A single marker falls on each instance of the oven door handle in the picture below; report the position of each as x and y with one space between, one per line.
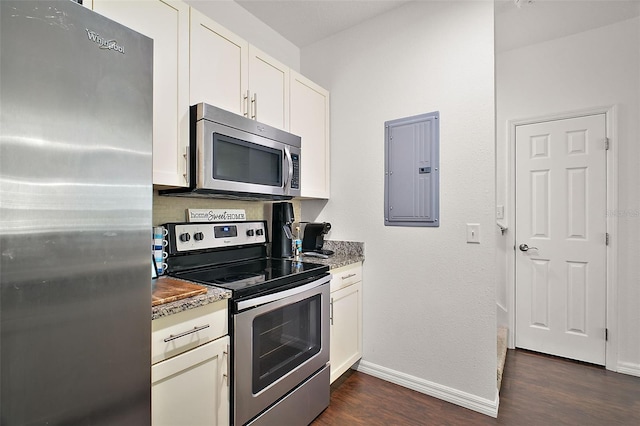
261 300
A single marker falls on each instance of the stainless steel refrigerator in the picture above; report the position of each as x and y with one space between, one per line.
75 217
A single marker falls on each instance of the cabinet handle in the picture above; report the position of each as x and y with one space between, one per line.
228 373
348 276
331 311
185 333
254 101
245 99
186 162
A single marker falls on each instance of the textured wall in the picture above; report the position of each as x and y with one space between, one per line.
429 297
595 68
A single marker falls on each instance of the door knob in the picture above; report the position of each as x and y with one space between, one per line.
524 247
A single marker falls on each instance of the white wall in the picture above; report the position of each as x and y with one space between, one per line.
591 69
236 19
429 297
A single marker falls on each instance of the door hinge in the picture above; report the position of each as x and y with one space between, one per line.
606 238
606 334
607 144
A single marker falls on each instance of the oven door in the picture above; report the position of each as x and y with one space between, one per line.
236 161
278 345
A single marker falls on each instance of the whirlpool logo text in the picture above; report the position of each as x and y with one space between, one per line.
103 42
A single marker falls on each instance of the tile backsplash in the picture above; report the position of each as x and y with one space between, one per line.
173 209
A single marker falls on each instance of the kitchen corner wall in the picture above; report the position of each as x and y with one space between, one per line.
429 297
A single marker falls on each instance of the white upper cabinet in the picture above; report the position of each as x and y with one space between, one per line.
219 65
167 23
198 60
269 89
229 73
309 119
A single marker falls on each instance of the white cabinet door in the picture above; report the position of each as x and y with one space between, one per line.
219 65
167 23
346 328
309 119
269 89
192 388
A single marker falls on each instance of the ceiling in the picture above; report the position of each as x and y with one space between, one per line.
530 22
518 22
304 22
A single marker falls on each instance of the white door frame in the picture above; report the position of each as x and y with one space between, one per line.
611 351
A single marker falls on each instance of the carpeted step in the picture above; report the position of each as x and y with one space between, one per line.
502 352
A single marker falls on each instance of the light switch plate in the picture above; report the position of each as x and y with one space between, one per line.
473 233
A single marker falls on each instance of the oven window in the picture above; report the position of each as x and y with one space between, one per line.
284 339
241 161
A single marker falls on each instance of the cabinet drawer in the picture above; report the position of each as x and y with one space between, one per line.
180 332
345 276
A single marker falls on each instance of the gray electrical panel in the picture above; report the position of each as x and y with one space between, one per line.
412 171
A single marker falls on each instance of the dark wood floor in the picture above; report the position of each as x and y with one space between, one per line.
536 390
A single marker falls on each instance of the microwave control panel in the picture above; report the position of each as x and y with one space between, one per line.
295 179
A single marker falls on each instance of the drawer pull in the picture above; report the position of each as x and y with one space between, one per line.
348 276
185 333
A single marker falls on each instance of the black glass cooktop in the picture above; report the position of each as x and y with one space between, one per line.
257 276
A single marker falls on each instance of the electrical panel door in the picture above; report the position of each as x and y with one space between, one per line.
411 196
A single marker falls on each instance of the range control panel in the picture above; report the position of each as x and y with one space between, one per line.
185 237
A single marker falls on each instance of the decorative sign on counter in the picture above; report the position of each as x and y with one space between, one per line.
215 215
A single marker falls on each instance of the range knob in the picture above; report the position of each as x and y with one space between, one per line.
250 232
259 232
198 236
185 237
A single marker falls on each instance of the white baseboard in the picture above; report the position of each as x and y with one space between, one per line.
454 396
629 368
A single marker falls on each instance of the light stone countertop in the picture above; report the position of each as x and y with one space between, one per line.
346 253
335 261
213 294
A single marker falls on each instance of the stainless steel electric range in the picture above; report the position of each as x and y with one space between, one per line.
279 318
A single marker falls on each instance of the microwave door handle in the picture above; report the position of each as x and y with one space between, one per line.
287 156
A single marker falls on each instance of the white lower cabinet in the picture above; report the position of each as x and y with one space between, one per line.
190 385
192 388
346 318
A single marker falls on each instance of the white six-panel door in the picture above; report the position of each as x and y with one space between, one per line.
561 218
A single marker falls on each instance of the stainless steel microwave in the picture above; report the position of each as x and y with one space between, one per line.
232 156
